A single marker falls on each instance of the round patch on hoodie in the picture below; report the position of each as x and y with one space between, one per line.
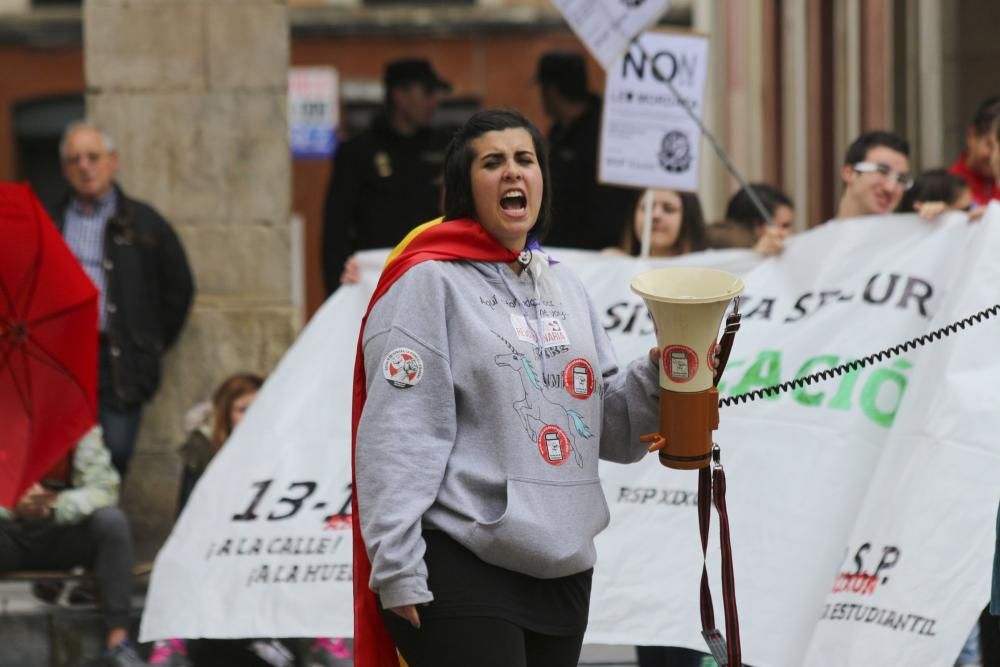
553 445
578 378
403 368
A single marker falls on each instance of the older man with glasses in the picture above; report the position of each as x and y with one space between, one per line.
876 173
141 272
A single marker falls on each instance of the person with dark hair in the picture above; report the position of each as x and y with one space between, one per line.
935 191
477 488
973 164
746 227
209 425
876 173
586 214
678 225
387 179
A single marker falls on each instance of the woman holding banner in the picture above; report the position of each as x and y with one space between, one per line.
486 390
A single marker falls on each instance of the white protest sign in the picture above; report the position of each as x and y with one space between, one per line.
312 111
862 509
648 140
607 26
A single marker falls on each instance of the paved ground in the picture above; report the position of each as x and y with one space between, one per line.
34 634
607 656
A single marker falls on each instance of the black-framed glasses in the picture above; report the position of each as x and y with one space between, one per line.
902 178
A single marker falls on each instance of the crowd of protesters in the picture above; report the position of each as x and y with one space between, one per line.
385 181
876 176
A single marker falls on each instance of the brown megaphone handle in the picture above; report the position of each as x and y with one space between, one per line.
657 440
687 420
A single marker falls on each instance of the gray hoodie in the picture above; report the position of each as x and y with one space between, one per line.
488 407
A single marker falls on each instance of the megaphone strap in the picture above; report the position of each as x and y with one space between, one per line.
726 343
712 489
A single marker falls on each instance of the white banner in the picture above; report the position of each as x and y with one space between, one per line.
607 26
862 508
648 140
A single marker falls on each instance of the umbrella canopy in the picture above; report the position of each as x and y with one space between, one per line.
48 344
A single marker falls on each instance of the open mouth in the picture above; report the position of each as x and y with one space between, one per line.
514 201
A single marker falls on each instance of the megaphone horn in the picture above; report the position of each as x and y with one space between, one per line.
687 305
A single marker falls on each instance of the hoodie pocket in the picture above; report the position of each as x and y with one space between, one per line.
547 529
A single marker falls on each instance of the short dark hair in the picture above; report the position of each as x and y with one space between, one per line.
458 199
691 237
407 72
859 148
566 71
742 211
986 113
933 185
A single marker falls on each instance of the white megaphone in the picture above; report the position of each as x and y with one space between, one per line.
687 305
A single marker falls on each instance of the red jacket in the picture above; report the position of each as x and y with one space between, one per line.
983 188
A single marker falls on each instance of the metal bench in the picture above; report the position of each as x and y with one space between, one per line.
74 576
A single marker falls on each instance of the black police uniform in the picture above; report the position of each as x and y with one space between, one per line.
585 213
383 185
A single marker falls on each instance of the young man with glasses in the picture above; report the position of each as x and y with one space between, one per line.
876 173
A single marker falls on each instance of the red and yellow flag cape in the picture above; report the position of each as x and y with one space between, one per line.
435 240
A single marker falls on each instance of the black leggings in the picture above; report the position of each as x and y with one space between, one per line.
480 641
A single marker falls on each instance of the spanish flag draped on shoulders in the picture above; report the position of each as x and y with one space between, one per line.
436 240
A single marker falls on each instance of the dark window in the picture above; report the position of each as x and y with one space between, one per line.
56 3
38 126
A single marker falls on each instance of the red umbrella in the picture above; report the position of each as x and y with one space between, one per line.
48 344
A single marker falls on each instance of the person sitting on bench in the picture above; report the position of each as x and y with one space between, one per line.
70 519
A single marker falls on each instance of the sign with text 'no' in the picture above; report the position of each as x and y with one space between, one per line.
607 27
648 139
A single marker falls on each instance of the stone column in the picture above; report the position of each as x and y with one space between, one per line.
193 92
14 6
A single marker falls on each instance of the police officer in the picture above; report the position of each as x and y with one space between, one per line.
585 213
387 179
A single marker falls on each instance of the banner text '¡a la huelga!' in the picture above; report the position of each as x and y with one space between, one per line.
892 290
300 573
